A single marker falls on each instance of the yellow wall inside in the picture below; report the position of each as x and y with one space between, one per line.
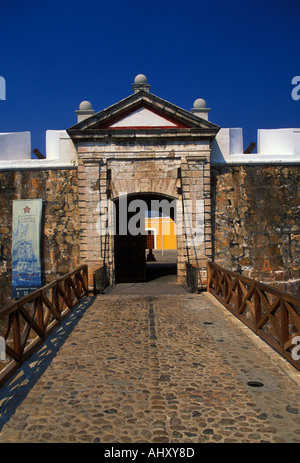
165 232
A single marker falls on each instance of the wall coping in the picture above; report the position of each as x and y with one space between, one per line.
35 164
274 147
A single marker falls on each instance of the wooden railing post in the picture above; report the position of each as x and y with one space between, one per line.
257 308
239 295
216 280
40 317
225 286
209 273
55 299
284 326
17 333
68 291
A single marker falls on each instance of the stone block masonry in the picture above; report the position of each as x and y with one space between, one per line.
136 172
60 225
256 222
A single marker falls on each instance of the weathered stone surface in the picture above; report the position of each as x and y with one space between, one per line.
254 227
255 221
139 167
60 226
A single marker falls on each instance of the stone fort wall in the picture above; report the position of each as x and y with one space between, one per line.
60 226
255 221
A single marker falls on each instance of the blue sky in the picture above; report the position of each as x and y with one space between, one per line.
239 56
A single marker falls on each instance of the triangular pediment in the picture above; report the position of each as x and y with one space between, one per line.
142 111
142 117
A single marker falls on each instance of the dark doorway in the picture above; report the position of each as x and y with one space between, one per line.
131 251
130 263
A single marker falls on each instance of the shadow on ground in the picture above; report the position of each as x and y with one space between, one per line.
17 388
159 270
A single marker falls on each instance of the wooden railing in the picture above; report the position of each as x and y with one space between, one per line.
27 322
271 314
101 279
192 277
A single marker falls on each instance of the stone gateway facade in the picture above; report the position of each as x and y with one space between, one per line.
104 175
143 149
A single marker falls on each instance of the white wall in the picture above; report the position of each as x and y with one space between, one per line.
15 151
60 146
228 142
274 142
15 145
273 146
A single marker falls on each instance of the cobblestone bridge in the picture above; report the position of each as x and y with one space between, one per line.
152 364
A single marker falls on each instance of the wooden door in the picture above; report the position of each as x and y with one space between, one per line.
130 262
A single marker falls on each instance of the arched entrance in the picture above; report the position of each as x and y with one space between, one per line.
145 239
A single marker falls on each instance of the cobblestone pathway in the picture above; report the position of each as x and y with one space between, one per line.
172 368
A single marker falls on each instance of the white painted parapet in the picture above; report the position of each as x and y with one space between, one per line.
59 146
274 146
278 141
15 145
227 143
15 151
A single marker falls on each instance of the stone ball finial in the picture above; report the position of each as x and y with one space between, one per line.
85 106
140 79
199 103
